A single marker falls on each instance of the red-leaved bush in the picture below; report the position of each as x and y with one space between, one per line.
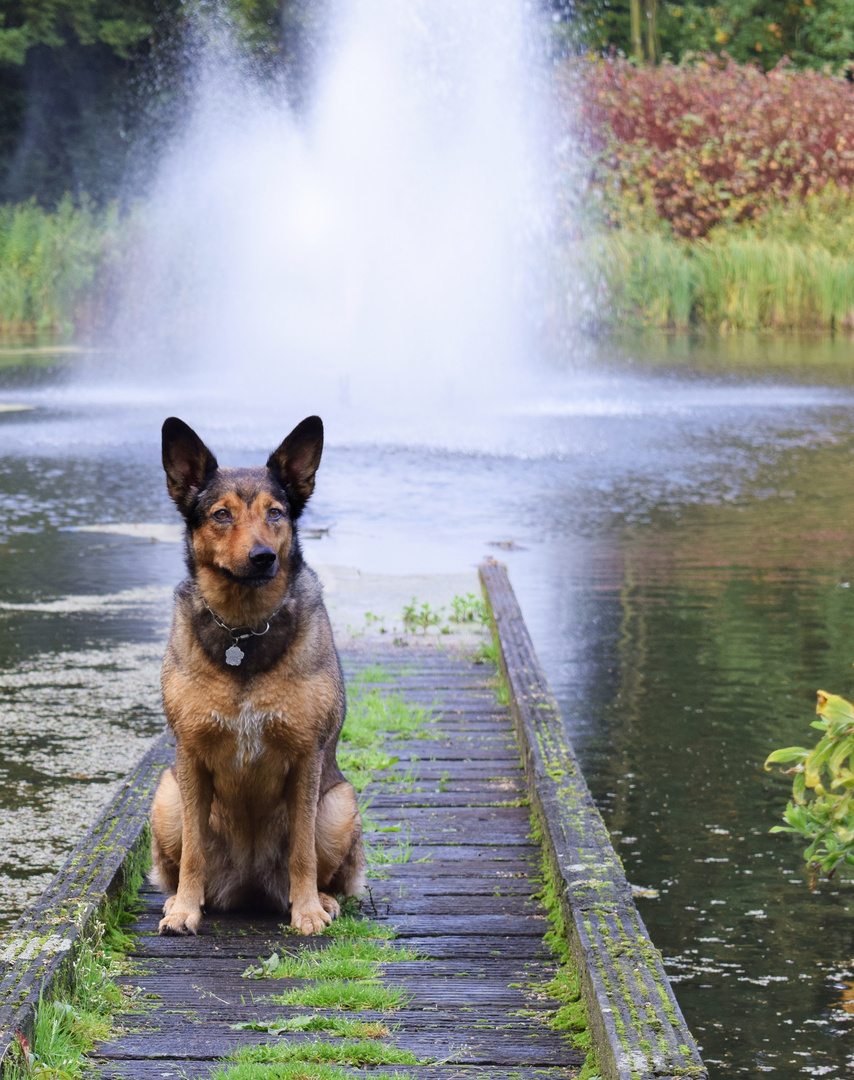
714 141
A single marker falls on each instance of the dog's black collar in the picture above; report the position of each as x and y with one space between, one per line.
234 654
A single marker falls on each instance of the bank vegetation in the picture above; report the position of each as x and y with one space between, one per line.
714 193
708 193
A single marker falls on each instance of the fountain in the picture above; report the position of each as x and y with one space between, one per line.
372 258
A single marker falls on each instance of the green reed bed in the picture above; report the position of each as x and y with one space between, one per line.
55 266
738 281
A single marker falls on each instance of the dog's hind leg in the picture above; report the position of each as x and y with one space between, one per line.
166 834
338 837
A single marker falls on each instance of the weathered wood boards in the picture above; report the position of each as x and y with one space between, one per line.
640 1029
465 901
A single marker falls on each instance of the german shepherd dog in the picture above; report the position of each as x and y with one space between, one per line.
255 810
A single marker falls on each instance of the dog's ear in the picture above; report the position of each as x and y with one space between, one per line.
294 464
188 463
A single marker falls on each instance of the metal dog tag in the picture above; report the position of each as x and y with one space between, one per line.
234 655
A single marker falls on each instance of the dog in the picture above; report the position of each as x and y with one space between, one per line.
255 810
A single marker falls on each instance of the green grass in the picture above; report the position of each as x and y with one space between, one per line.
373 673
571 1015
352 1052
371 717
346 974
344 958
293 1071
336 1026
349 995
68 1025
353 926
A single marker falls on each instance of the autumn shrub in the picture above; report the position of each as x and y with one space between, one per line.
710 142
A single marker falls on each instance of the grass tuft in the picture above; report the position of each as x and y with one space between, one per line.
336 1026
354 926
344 958
371 717
293 1071
571 1016
348 995
352 1052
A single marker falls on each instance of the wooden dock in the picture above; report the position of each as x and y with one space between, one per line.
461 897
464 901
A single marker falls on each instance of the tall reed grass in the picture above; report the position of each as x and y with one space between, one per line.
55 267
730 281
791 269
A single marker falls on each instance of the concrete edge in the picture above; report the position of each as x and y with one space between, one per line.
635 1020
36 957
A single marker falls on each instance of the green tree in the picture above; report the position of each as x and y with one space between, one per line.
764 31
811 33
69 101
121 25
85 83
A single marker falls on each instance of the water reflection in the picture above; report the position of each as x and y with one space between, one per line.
731 615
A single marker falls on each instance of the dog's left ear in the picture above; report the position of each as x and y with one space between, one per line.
295 463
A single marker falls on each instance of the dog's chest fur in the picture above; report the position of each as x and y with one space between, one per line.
248 727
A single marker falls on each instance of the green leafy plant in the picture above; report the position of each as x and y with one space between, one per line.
415 615
468 609
822 808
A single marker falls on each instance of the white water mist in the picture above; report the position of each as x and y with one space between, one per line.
377 254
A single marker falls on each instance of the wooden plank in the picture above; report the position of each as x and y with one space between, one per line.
242 996
639 1027
166 1068
463 947
466 1046
451 795
215 965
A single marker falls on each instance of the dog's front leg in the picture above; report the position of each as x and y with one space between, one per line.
183 911
311 911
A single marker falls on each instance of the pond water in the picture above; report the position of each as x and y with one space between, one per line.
676 516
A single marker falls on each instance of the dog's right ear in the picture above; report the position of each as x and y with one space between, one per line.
188 463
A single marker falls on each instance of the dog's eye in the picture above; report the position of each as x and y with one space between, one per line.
274 513
221 515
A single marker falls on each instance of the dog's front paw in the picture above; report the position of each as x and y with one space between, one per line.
179 921
312 918
329 904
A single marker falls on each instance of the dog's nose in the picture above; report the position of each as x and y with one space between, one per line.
262 557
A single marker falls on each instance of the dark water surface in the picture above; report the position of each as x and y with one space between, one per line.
683 514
